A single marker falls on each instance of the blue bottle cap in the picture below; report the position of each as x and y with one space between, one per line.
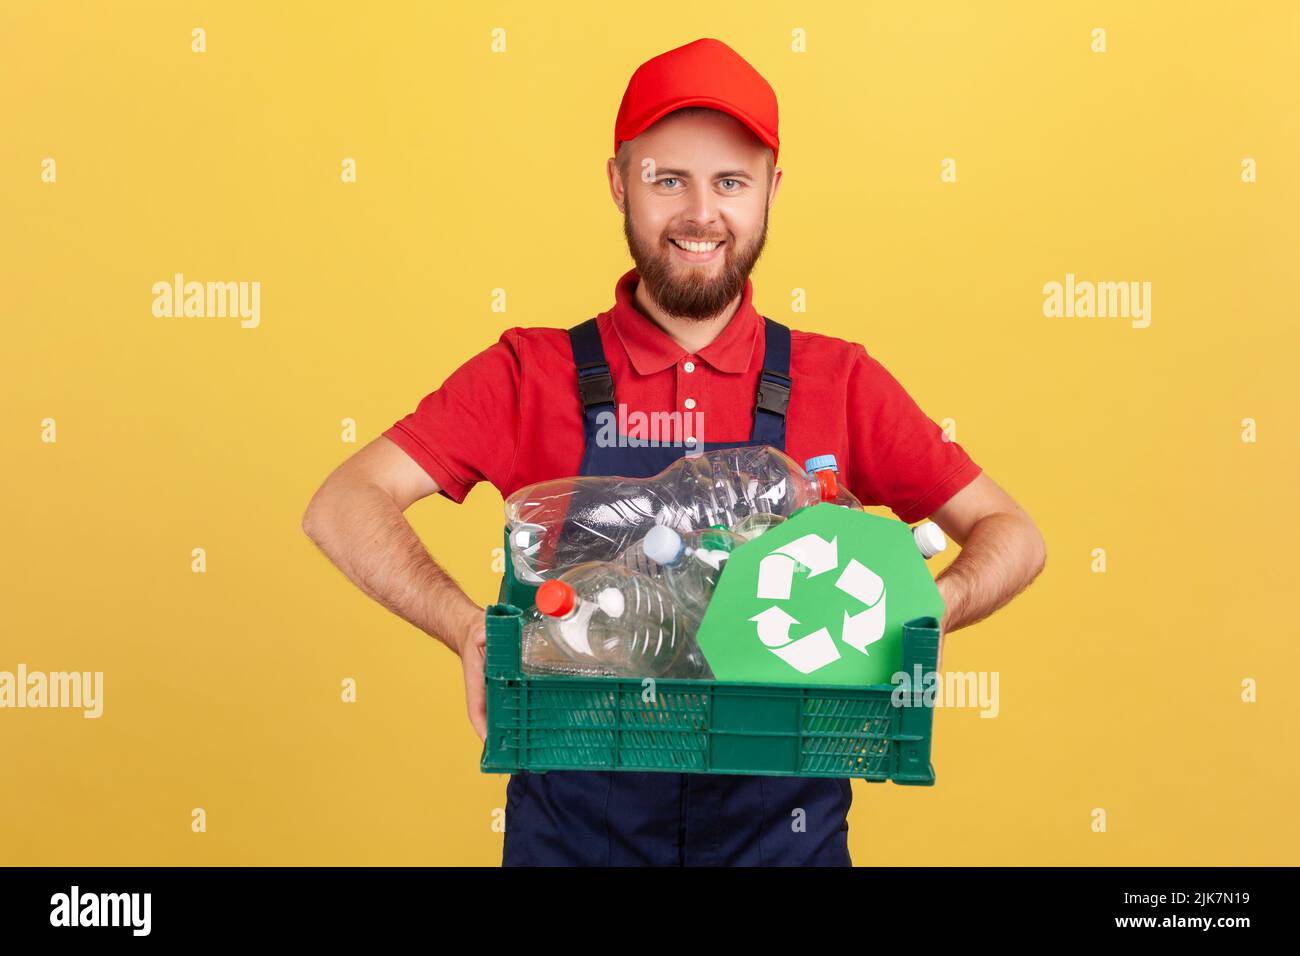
819 462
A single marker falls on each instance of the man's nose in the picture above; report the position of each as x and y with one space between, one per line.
702 204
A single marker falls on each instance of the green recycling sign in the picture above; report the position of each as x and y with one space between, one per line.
819 599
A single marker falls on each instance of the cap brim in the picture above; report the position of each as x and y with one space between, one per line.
713 103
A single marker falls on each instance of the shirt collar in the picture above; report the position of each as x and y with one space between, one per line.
651 349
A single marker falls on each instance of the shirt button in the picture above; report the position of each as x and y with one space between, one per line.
689 403
689 367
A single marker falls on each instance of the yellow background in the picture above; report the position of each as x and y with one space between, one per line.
477 171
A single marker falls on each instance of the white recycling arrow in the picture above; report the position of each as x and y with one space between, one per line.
859 581
774 626
866 627
809 653
813 551
775 572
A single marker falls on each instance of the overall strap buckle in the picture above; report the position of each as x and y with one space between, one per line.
595 383
773 392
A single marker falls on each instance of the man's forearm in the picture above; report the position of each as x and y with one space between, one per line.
361 529
1002 554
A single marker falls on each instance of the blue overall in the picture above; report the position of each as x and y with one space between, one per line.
629 818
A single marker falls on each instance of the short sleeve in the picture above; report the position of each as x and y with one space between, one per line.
900 457
467 430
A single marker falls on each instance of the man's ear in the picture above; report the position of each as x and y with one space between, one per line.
617 189
776 184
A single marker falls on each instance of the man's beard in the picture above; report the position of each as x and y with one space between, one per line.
690 295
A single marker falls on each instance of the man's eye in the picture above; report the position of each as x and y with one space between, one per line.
667 179
736 181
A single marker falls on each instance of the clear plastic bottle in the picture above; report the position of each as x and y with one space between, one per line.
555 524
688 564
540 656
605 616
752 526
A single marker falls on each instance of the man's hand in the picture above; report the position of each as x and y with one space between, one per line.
473 653
357 519
1002 551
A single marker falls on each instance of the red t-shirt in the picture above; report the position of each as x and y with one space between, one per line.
511 414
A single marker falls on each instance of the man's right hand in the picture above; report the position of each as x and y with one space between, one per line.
473 653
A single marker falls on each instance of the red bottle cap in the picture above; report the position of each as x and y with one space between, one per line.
830 488
555 598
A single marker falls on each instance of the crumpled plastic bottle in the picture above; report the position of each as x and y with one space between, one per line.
559 523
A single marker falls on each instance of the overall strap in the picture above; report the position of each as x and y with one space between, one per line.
773 396
595 384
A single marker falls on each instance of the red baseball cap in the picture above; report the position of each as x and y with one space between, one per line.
706 72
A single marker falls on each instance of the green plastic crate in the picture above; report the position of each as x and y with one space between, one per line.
540 723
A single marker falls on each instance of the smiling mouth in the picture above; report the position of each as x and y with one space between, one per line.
691 245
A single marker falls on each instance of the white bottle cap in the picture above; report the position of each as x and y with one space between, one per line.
662 545
612 602
929 538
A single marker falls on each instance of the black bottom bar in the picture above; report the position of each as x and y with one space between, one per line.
982 905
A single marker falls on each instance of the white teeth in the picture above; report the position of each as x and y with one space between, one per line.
696 246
